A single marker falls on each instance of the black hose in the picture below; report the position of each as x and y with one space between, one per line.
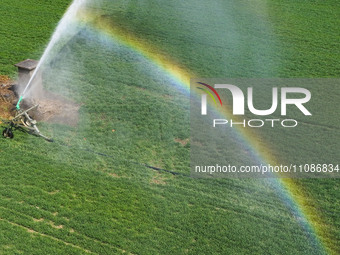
126 160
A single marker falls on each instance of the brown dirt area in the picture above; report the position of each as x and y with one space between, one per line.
51 107
7 97
55 109
183 142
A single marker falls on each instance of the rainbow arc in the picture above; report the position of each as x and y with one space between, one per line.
289 191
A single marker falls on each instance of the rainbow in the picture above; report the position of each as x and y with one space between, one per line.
290 192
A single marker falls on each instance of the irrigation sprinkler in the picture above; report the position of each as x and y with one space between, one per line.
23 121
23 118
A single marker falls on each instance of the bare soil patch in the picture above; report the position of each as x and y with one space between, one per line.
7 97
54 108
51 108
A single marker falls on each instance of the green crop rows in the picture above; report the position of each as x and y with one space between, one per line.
89 192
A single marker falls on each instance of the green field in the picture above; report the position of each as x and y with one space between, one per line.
92 190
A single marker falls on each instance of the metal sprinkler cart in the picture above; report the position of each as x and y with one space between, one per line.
23 121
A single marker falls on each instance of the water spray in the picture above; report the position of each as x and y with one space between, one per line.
61 29
22 119
27 86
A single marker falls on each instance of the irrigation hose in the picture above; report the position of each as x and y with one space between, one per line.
110 156
126 160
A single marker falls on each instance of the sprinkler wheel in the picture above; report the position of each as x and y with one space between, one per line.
7 133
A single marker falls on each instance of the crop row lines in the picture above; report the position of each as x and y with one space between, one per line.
47 236
76 234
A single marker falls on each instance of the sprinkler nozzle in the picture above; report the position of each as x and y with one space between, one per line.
18 104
